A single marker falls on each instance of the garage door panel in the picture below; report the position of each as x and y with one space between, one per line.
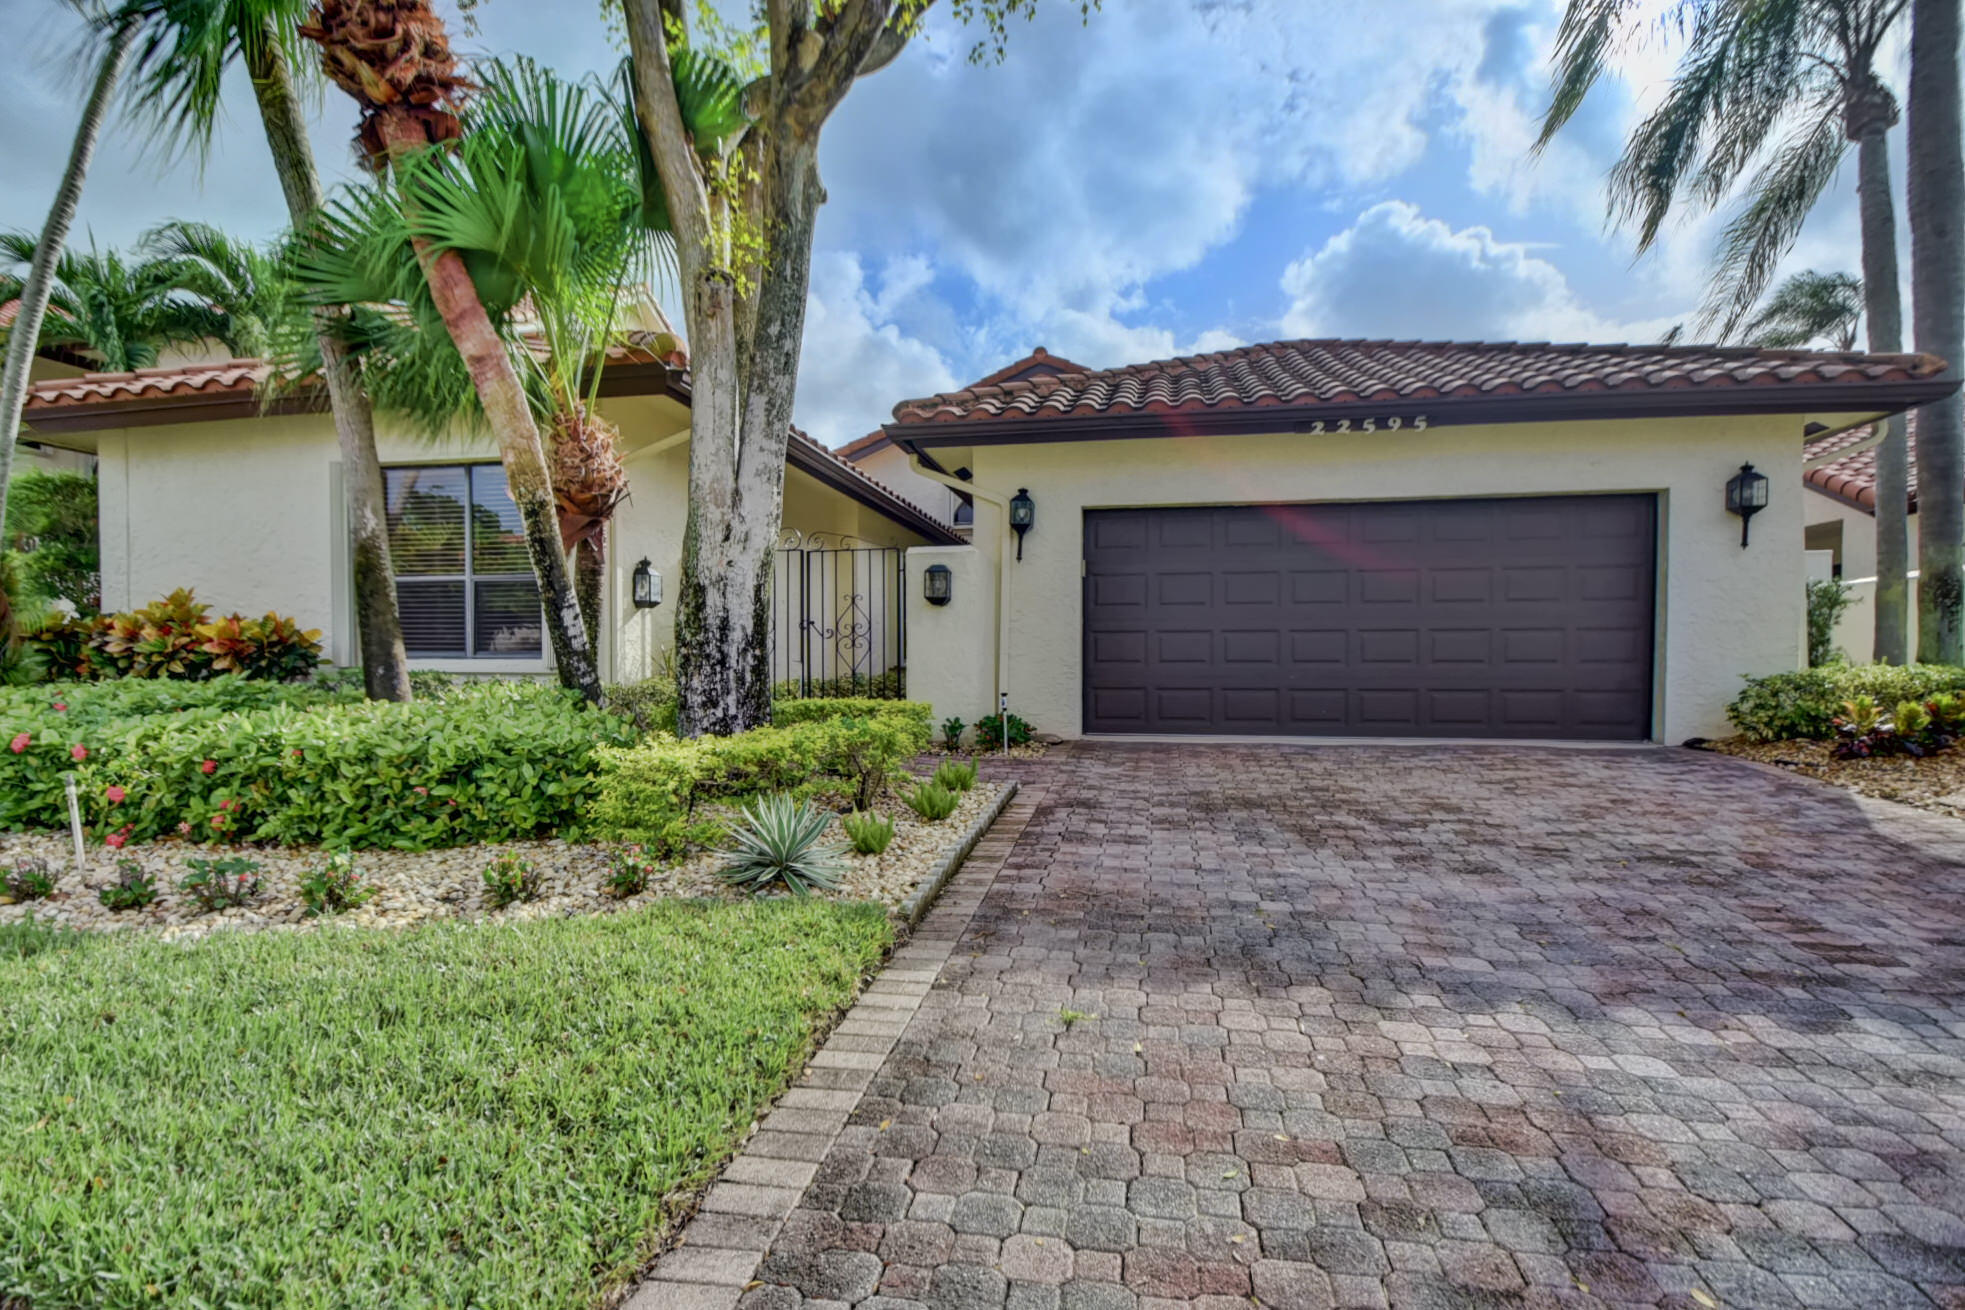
1529 617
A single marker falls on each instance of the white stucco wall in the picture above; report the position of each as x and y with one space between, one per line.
1723 611
1855 634
951 649
249 514
892 467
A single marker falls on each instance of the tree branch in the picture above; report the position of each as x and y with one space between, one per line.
668 138
857 26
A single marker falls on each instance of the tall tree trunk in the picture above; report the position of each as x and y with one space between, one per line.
589 577
509 415
26 331
1883 316
1937 197
385 665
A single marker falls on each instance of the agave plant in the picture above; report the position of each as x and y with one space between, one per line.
781 841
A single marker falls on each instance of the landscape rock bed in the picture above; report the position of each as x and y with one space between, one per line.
416 887
1934 782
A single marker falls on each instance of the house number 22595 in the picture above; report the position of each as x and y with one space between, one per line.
1417 423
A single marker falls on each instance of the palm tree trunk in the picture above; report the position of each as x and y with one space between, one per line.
26 331
509 415
1937 197
1883 315
385 665
589 574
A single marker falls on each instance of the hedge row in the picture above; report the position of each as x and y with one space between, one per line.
849 748
234 761
1804 703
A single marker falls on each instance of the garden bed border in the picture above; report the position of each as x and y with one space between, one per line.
930 887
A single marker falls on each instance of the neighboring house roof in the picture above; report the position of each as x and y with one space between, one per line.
1039 362
1850 477
1289 385
230 389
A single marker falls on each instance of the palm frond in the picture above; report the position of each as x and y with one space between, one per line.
177 69
1590 33
1780 198
710 94
1809 307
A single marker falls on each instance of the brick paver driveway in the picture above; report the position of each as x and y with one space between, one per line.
1475 1026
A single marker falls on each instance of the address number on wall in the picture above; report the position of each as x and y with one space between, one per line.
1417 423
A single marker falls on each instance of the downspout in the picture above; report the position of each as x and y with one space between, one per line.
1002 505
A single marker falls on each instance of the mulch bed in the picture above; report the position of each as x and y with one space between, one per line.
1935 782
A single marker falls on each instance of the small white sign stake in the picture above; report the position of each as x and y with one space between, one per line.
75 818
1002 721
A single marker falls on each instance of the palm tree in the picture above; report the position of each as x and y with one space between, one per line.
249 288
120 311
1808 308
1779 87
180 71
544 201
34 290
393 58
1937 197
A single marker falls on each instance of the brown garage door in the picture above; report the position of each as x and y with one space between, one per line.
1442 618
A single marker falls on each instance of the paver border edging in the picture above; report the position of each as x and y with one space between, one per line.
713 1258
929 888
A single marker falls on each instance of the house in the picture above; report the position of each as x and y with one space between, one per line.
1376 538
1839 477
203 485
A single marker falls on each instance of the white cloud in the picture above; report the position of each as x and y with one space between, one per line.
857 362
1396 273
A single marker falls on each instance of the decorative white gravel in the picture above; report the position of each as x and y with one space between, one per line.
414 887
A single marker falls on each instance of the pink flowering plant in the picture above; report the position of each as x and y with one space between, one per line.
336 887
219 883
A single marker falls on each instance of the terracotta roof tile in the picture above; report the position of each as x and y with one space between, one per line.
1851 477
1310 373
1038 361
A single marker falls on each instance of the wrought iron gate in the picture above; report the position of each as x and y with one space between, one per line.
839 616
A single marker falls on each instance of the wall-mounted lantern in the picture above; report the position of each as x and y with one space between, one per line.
1746 495
1023 512
647 586
938 584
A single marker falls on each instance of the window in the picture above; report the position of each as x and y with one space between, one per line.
463 579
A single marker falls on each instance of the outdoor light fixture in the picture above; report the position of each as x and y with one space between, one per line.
647 586
938 584
1023 511
1746 495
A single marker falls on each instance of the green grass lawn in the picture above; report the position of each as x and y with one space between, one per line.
454 1115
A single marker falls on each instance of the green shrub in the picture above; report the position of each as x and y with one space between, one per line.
496 761
870 833
991 727
30 879
509 878
51 522
649 704
336 886
1827 599
956 776
1806 702
177 638
650 794
952 733
220 882
132 890
813 709
780 841
932 801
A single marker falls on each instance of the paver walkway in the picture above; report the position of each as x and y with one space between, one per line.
1420 1027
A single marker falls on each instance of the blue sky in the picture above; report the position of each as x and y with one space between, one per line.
1171 176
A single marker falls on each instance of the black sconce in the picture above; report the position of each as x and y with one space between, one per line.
937 584
1746 495
647 586
1023 511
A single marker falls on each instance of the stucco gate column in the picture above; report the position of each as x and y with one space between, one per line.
951 649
